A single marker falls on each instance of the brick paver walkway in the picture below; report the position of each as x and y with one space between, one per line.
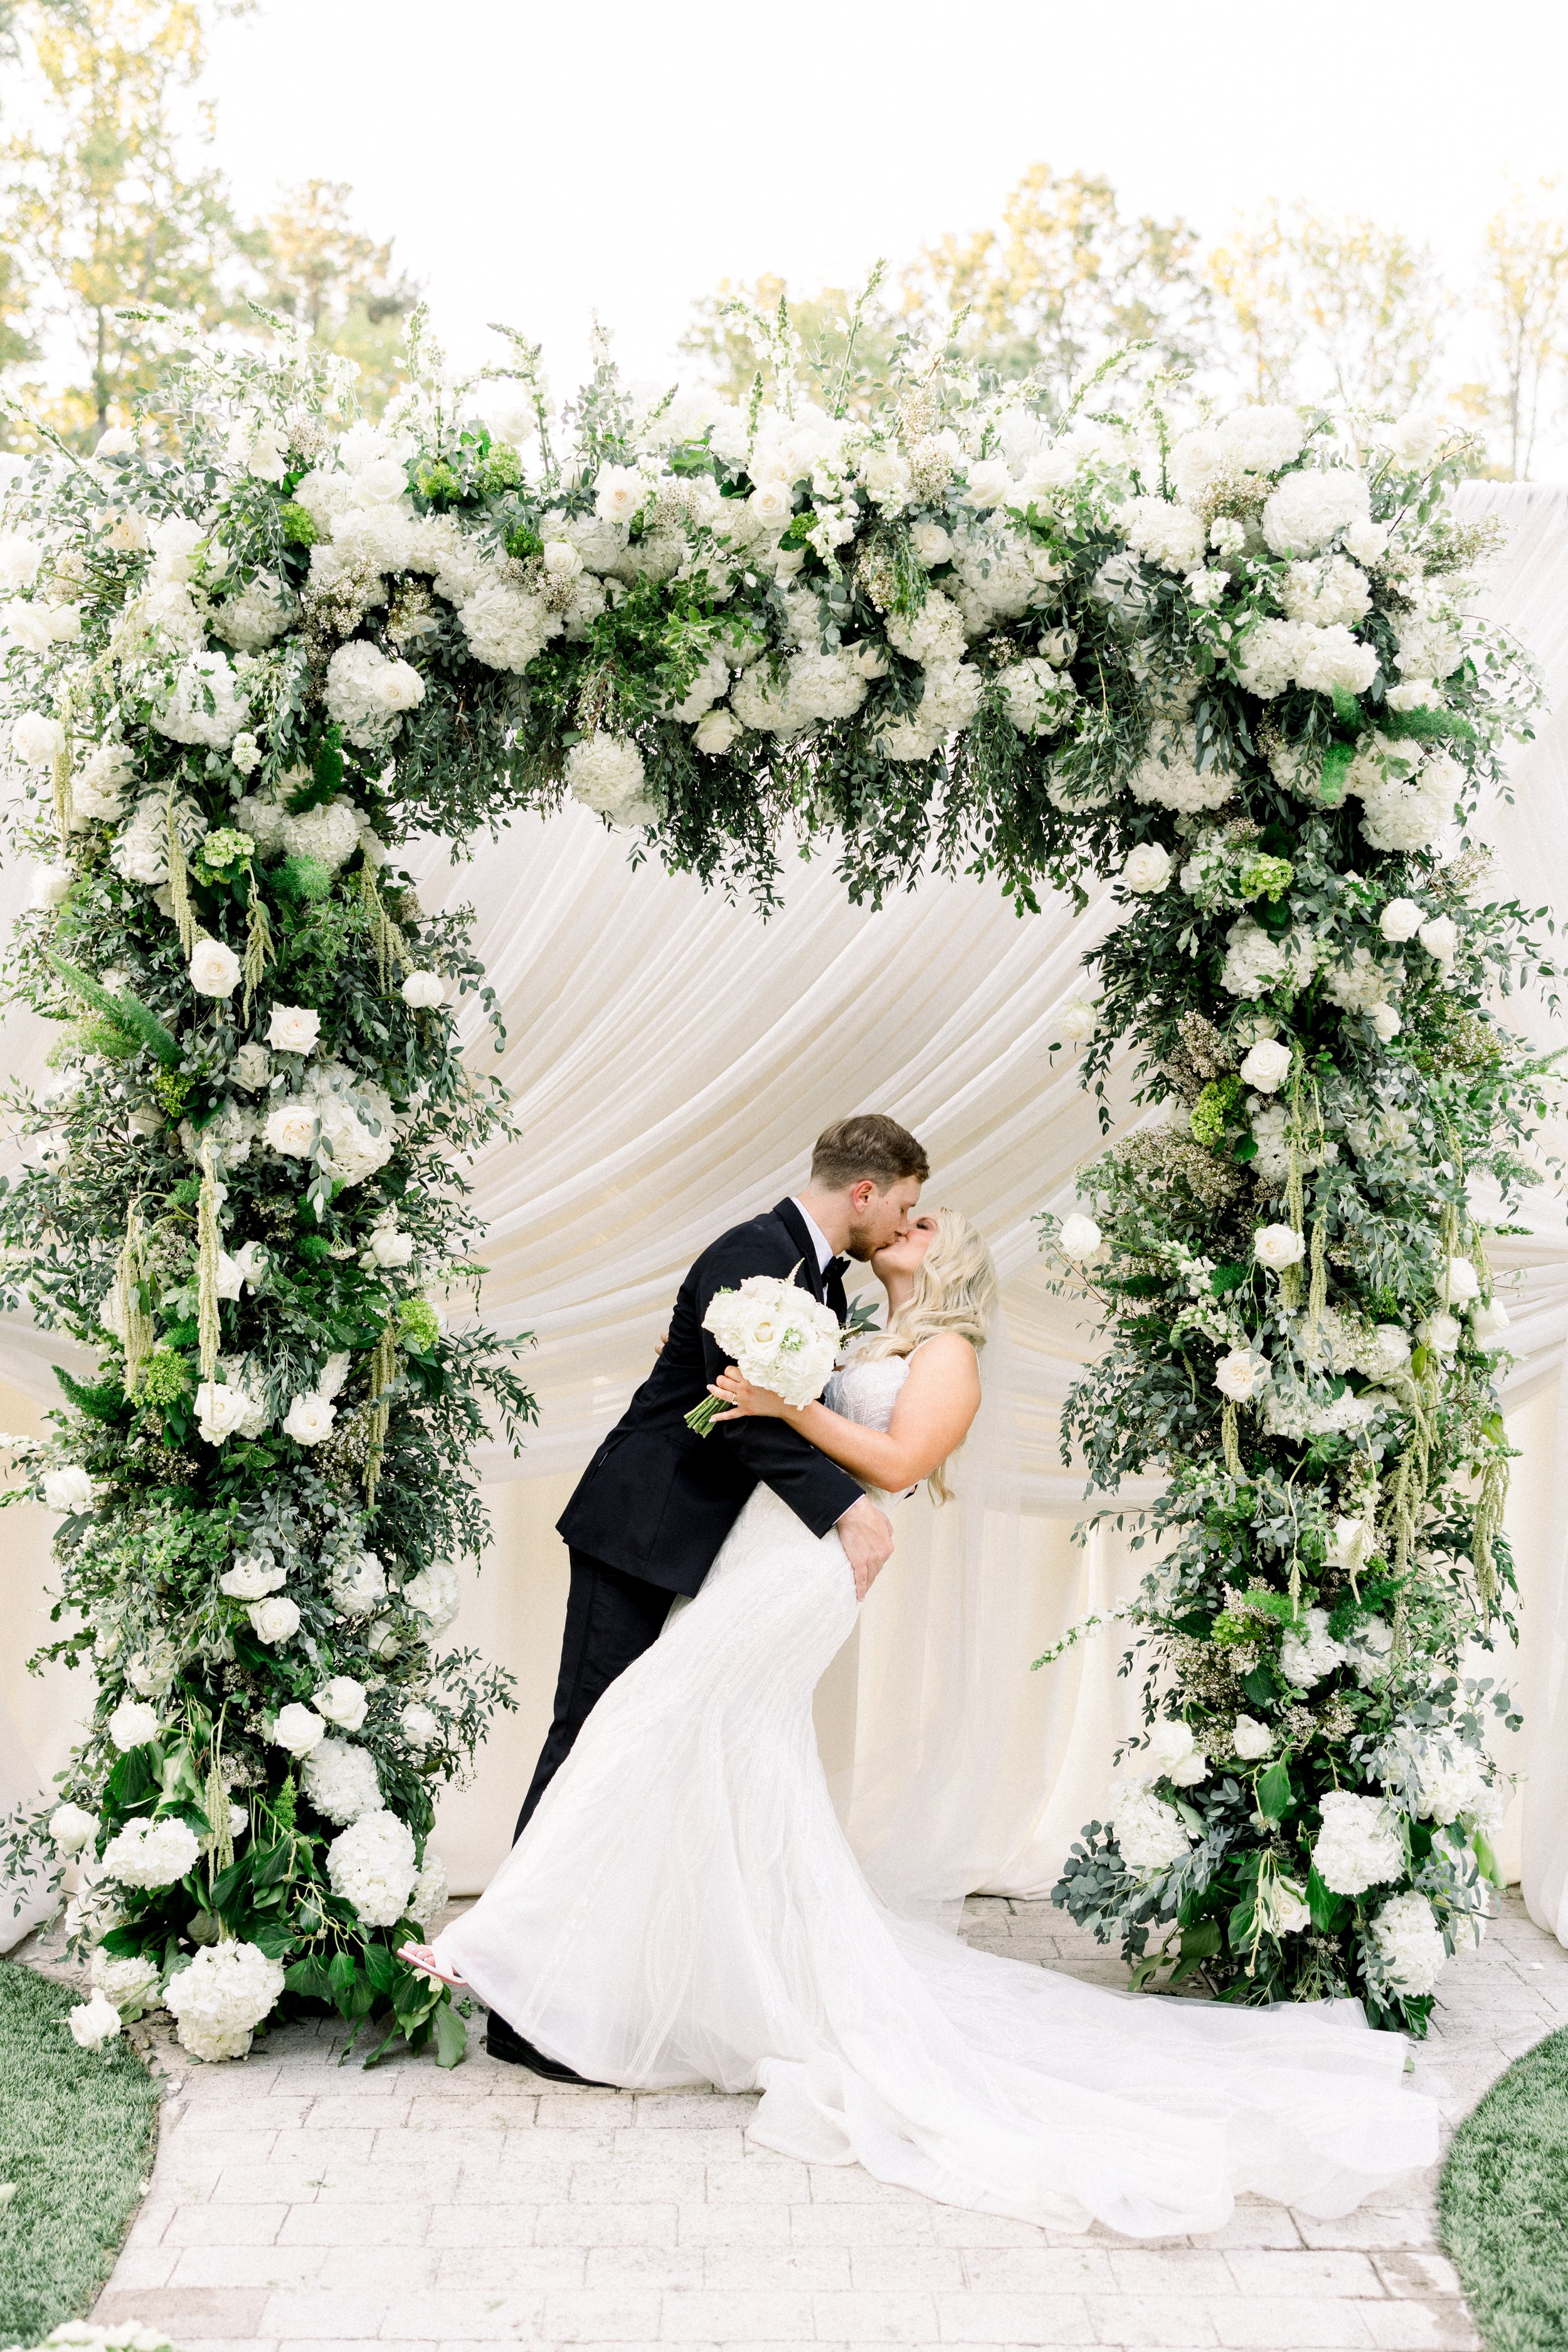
298 2205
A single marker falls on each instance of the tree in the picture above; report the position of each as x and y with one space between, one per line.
101 213
1524 301
316 268
1322 307
719 334
1065 280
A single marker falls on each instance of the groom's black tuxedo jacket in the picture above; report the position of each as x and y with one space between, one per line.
657 1501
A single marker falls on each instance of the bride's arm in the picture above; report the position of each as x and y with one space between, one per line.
935 1407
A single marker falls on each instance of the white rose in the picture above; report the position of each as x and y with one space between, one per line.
1076 1022
931 544
1366 542
1489 1323
267 456
1440 1333
36 740
1268 1066
772 503
1439 939
398 686
291 1129
1400 921
297 1728
714 733
1412 694
1079 1238
93 2023
72 1828
421 991
68 1490
220 1409
1385 1019
1278 1246
309 1418
250 1579
1147 867
618 491
1351 1546
1251 1740
990 483
390 1247
277 1619
1239 1373
343 1701
51 886
215 969
132 1724
293 1029
419 1726
561 559
1458 1283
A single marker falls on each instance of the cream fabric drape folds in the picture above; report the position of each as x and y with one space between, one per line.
671 1057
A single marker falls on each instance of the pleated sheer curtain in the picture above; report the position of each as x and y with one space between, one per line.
671 1057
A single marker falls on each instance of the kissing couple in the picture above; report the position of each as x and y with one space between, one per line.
681 1905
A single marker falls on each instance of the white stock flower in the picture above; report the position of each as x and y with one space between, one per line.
69 1489
343 1701
1150 1834
1309 1652
132 1724
297 1728
1079 1238
292 1029
423 991
1278 1246
215 970
309 1418
152 1852
219 2001
1359 1844
1147 867
275 1620
71 1828
372 1867
339 1780
1266 1066
1400 921
419 1726
1239 1373
93 2023
1252 1740
1409 1944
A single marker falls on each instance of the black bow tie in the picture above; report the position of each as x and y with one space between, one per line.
835 1269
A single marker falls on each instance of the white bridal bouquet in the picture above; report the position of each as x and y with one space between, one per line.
780 1337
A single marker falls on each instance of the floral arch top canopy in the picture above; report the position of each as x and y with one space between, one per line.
254 642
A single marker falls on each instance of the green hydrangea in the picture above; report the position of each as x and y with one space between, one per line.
226 846
521 541
164 1379
1264 878
298 526
173 1089
1213 1109
417 1325
437 481
502 471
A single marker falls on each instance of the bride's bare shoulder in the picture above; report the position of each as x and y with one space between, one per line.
945 1356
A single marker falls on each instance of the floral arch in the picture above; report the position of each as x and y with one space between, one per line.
256 643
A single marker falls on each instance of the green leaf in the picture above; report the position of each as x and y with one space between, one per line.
128 1012
1239 1925
273 1863
1275 1792
1259 1686
310 1978
381 1968
1328 1911
1229 1277
226 1886
451 2036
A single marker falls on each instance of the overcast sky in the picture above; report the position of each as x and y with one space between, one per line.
537 163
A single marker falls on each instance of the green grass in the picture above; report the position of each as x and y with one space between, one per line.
1504 2204
75 2138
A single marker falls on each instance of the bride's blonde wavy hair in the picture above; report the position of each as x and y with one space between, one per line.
955 1290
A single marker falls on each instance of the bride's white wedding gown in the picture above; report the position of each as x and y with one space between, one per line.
683 1908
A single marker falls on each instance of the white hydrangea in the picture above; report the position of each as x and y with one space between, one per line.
1151 1834
366 694
429 1892
339 1777
219 2001
507 627
151 1852
257 616
438 545
1035 696
1262 439
1308 511
1265 661
1445 1779
1431 644
1329 660
377 537
98 787
330 833
372 1866
1255 964
358 1583
346 1102
130 1984
934 636
1409 1944
1411 813
434 1593
1169 776
1168 534
1309 1651
1363 984
140 852
1326 594
605 773
1359 1844
205 705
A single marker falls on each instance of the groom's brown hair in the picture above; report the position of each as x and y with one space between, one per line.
870 1144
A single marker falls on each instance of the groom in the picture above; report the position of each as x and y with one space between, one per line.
655 1503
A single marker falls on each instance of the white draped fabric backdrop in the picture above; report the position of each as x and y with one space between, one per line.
671 1057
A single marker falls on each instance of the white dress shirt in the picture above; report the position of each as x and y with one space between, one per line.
819 1241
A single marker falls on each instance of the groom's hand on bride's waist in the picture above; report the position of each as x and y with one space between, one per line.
867 1535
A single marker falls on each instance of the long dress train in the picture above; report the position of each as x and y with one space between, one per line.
683 1908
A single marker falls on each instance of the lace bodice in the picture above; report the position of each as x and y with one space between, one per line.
867 1393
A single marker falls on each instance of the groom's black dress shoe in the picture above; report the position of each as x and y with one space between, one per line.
502 2041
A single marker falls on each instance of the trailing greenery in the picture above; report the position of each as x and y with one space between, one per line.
1503 2203
78 2132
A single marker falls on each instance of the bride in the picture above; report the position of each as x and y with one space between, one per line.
683 1906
